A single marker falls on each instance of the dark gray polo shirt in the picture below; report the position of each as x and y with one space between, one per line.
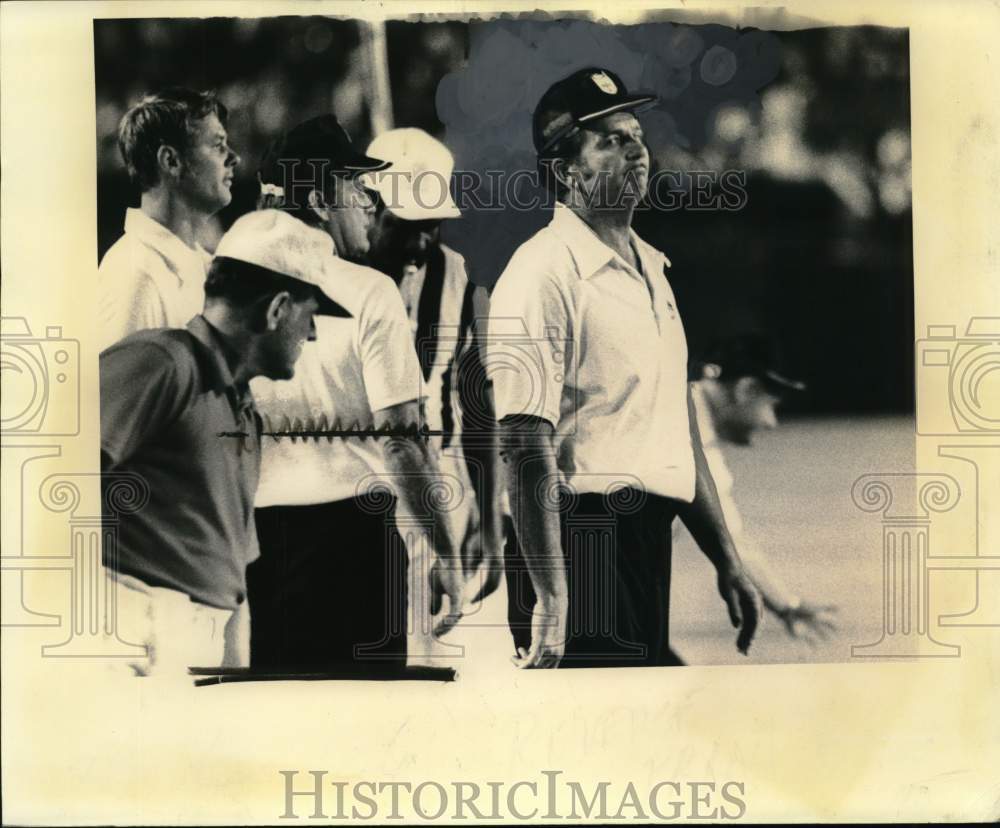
166 395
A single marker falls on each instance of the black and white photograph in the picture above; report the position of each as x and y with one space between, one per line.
619 254
434 379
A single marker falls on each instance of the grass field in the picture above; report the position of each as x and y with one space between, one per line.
793 488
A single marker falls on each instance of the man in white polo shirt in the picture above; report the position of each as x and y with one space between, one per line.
602 406
176 150
329 590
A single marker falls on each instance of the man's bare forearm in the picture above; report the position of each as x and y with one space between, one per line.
529 466
704 517
481 448
480 432
415 471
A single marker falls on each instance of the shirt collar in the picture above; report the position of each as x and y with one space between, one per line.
178 256
588 251
224 356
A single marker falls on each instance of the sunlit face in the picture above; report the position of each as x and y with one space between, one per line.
208 166
398 246
348 217
283 345
611 169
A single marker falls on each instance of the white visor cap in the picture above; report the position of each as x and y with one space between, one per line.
276 241
417 186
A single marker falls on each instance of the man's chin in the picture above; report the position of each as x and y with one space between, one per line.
357 253
280 372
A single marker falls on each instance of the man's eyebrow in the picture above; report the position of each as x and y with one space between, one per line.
623 132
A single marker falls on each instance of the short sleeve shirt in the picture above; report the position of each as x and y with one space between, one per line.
355 367
167 399
585 341
149 278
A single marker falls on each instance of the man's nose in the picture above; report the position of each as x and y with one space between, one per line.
312 329
636 149
233 159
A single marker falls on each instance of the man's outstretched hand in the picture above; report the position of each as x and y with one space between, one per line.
810 622
744 604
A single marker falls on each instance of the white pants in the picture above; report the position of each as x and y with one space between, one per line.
176 631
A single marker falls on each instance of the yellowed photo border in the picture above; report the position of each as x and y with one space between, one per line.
880 741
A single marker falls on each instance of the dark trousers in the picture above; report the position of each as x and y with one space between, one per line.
616 549
329 589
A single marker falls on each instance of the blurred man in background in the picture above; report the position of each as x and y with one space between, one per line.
329 590
607 400
176 150
166 396
736 390
442 306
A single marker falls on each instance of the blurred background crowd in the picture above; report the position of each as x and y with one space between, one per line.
816 121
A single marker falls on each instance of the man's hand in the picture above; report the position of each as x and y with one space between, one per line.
810 622
548 636
744 603
482 557
450 581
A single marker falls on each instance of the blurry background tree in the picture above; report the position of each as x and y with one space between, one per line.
817 121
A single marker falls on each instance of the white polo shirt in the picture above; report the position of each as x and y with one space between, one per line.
355 367
580 338
149 278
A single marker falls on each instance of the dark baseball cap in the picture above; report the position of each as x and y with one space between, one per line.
584 96
320 138
750 355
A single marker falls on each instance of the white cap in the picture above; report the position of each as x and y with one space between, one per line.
276 241
416 187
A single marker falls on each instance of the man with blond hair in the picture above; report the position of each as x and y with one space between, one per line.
177 152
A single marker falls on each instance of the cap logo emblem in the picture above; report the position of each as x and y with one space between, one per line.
603 82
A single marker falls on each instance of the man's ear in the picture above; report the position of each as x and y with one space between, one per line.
317 205
277 309
168 161
562 170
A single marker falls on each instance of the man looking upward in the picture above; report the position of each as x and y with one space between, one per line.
611 417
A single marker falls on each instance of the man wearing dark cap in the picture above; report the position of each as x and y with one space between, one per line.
604 409
167 398
736 389
329 591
